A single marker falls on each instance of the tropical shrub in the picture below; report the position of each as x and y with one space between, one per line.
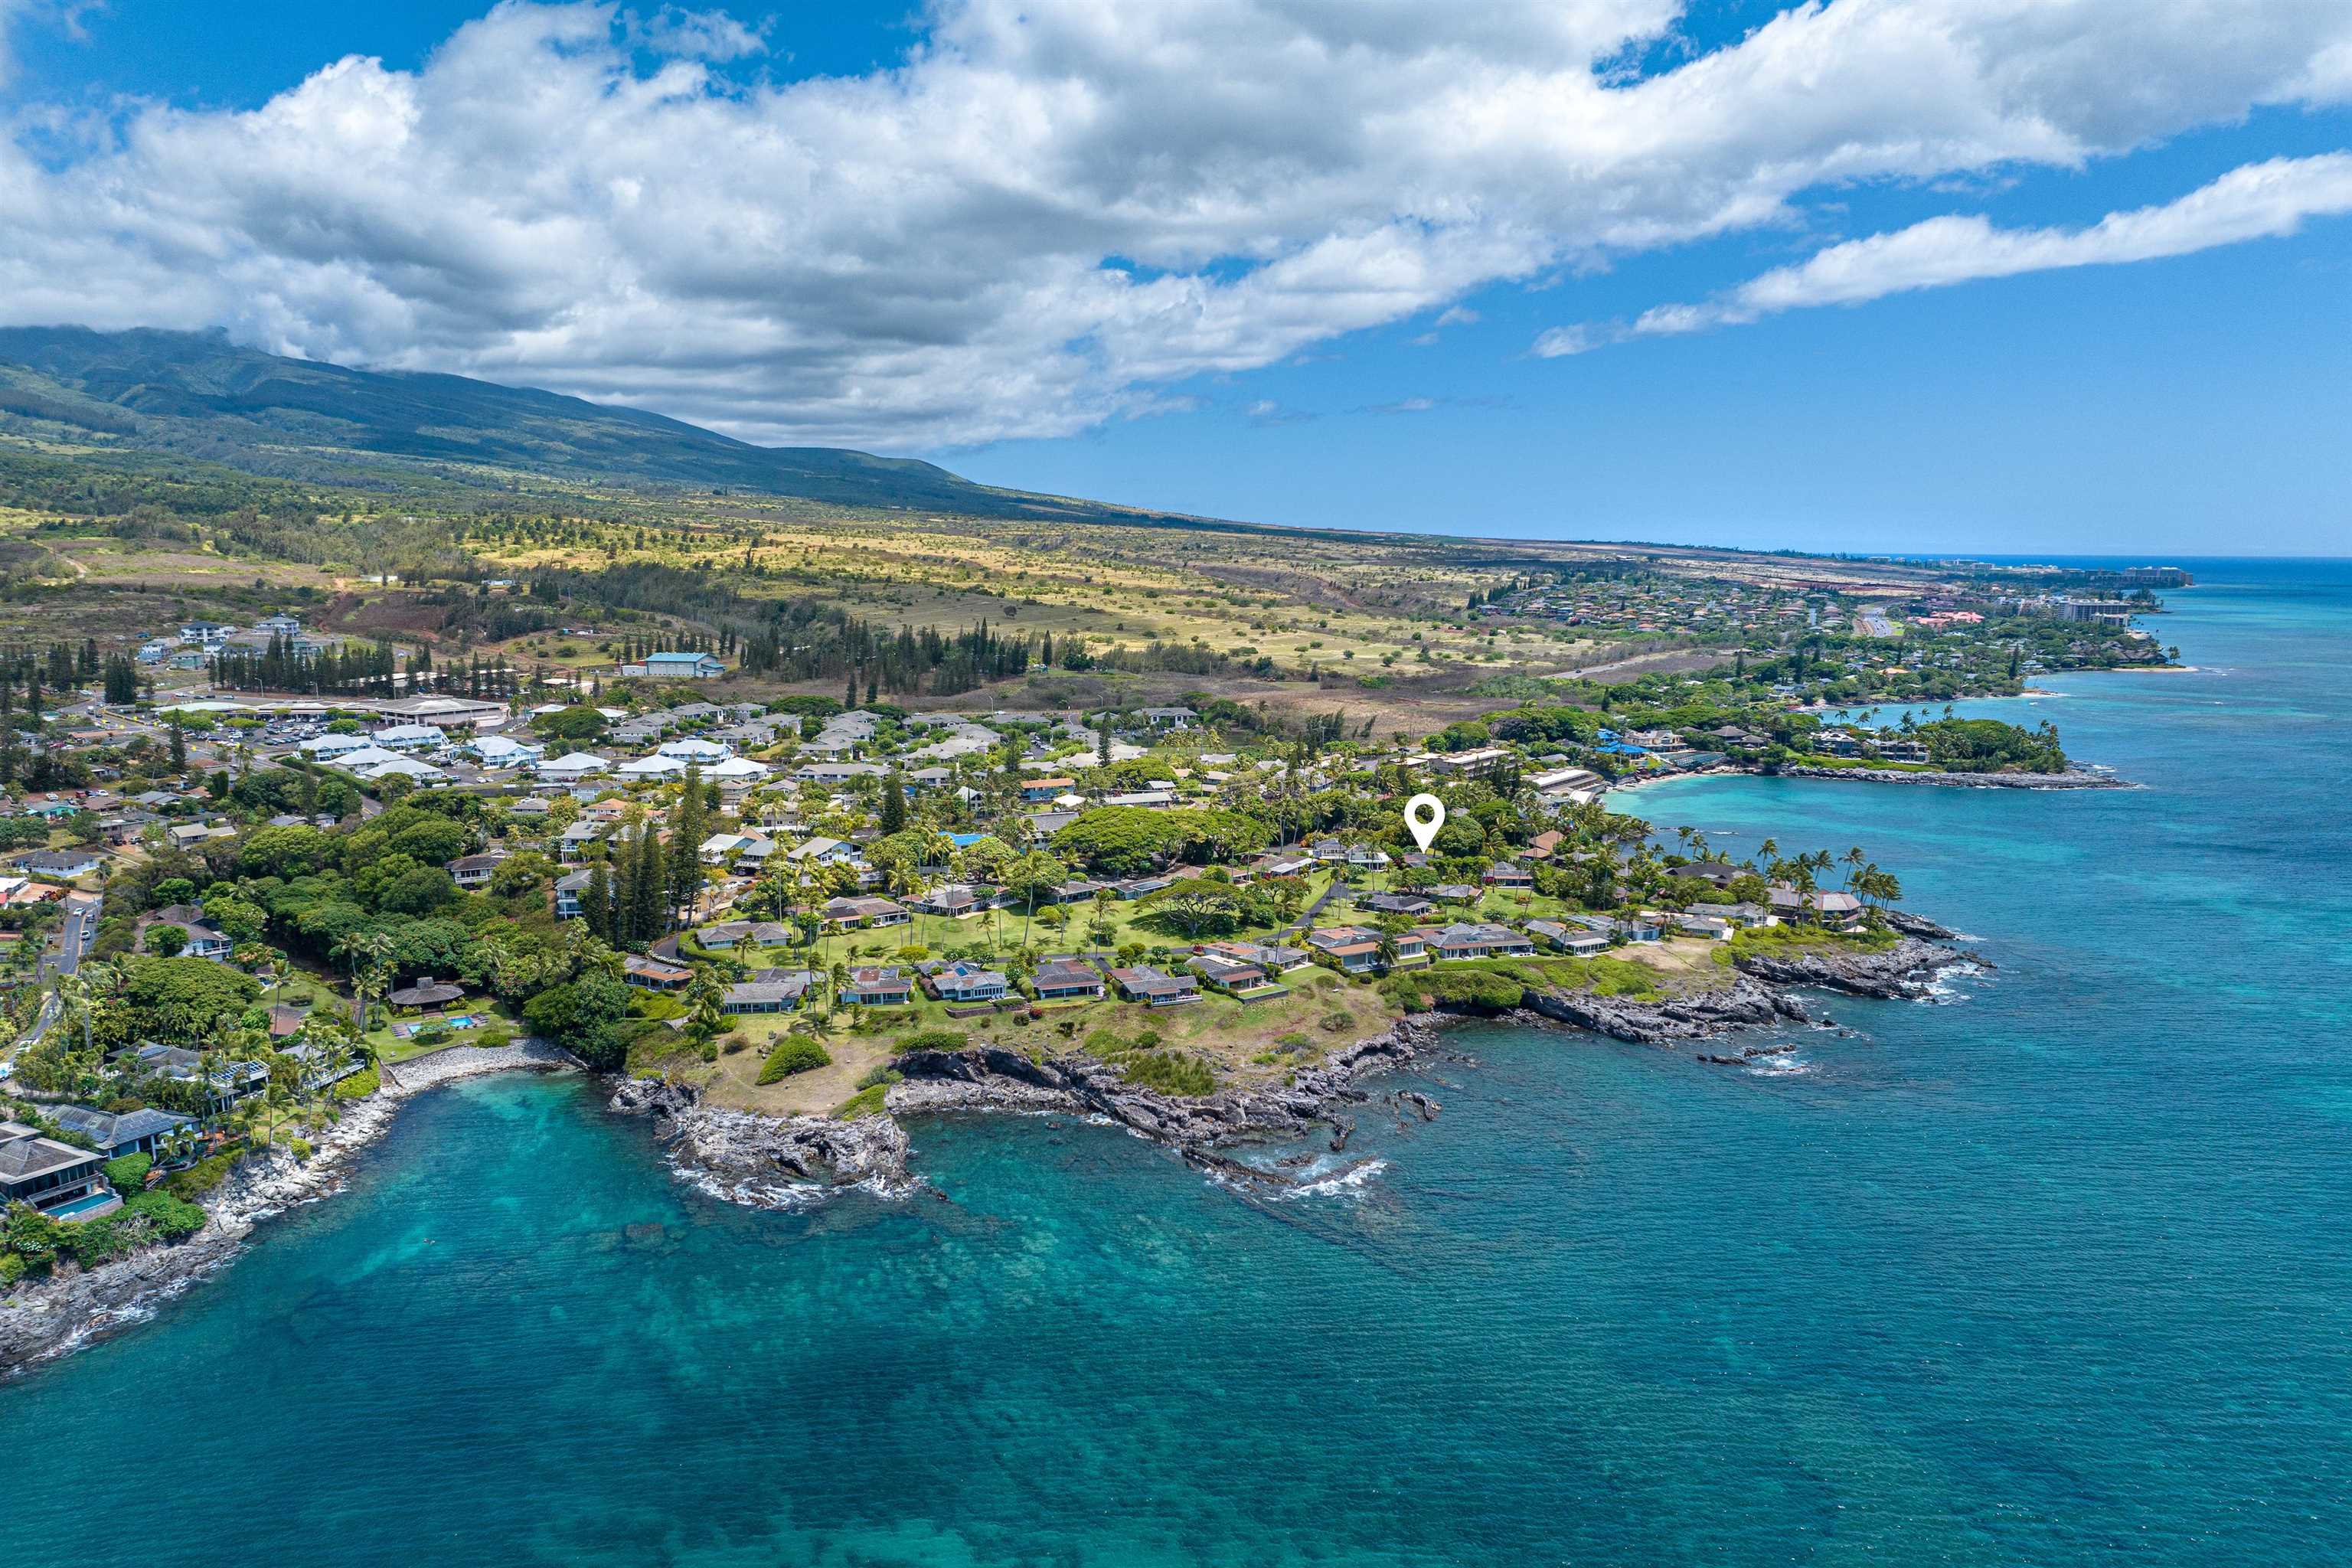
793 1053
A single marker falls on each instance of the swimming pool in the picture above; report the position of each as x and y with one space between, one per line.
82 1207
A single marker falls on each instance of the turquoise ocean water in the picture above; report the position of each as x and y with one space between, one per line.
2057 1272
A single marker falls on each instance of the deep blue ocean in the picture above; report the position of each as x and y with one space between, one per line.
2059 1271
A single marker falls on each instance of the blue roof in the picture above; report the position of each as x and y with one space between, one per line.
680 658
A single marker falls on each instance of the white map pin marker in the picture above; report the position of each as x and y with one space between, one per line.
1423 816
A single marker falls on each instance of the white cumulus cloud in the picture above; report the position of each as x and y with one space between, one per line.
2260 200
1049 212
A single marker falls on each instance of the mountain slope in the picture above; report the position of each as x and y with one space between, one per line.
199 394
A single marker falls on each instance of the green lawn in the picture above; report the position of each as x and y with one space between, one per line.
389 1047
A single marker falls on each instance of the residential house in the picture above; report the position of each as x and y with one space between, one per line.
1573 940
1476 940
963 981
1273 959
1066 978
473 871
769 991
953 898
864 912
64 865
1156 987
1508 878
1404 904
572 767
504 752
698 753
1036 791
655 973
1643 927
882 986
1356 949
410 737
677 666
1235 976
736 774
569 892
117 1134
230 1083
839 773
720 848
203 939
571 844
403 767
52 1177
1834 911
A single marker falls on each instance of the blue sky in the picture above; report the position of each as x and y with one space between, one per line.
2190 402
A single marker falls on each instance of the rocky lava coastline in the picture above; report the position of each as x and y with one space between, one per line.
769 1162
2072 779
772 1161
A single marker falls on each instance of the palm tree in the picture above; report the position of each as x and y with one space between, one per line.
1030 874
372 984
706 998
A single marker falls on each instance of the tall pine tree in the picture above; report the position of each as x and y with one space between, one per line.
649 919
596 904
689 825
620 902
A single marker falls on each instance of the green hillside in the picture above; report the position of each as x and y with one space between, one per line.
197 394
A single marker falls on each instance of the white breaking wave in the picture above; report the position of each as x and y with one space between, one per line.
1785 1065
1344 1182
1945 989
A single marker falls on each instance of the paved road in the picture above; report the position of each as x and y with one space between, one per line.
77 933
1321 898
